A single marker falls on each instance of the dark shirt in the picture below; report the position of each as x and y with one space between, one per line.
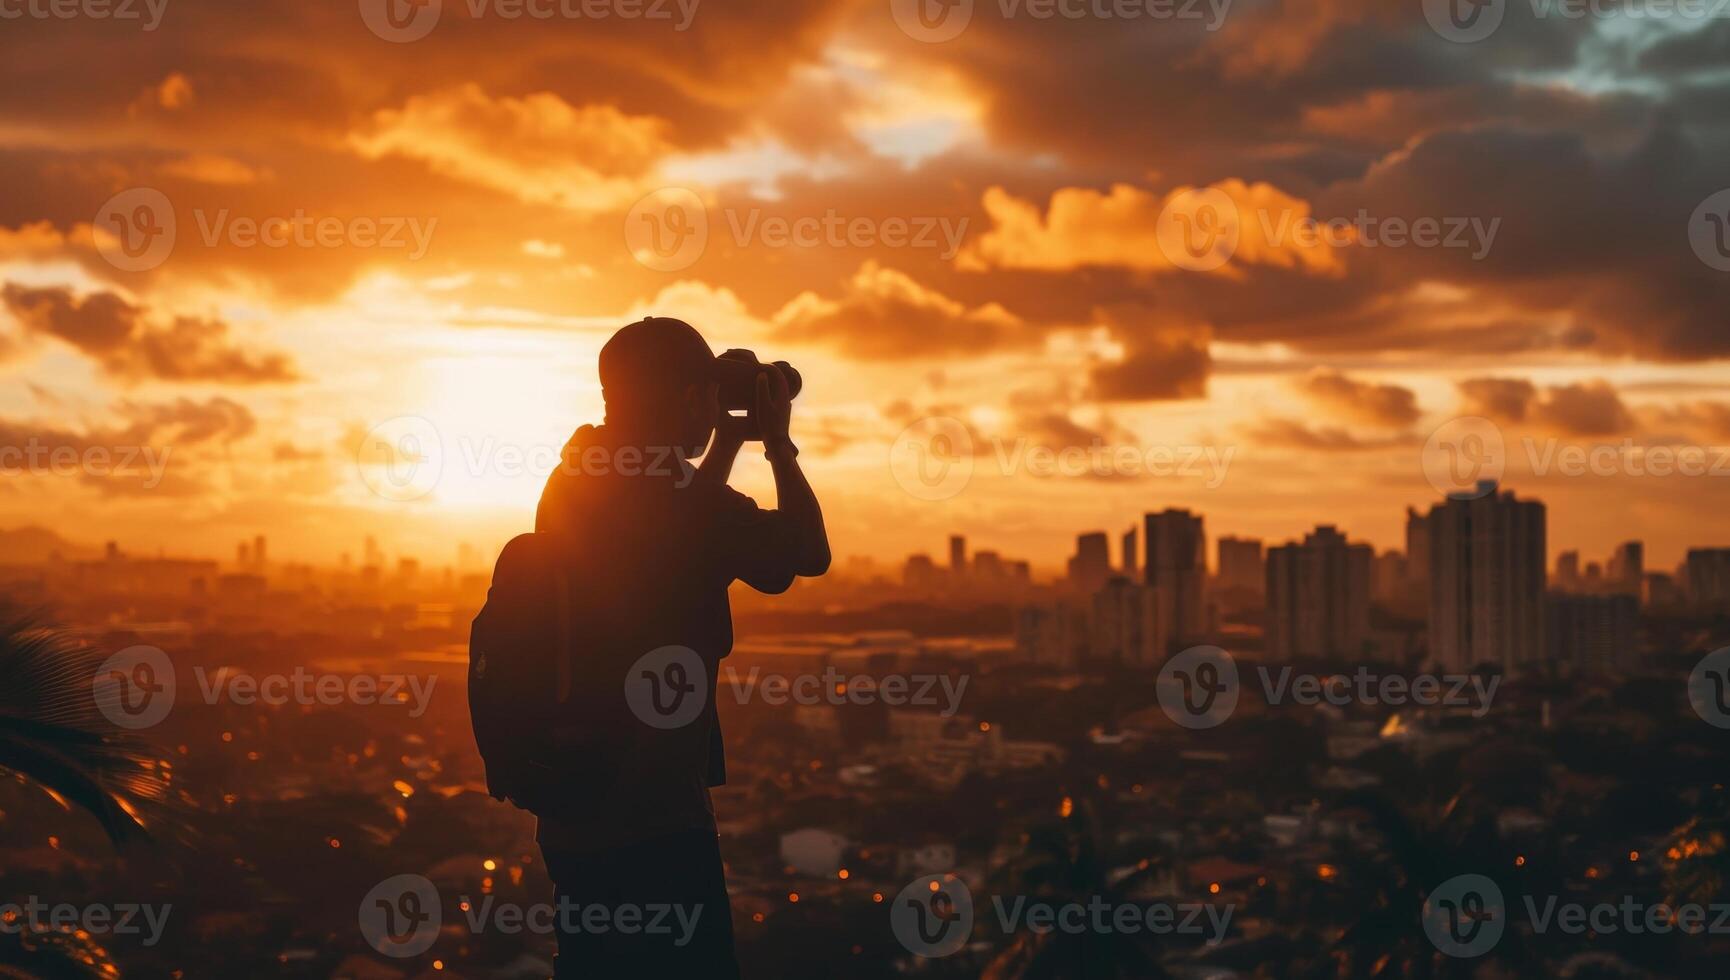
653 552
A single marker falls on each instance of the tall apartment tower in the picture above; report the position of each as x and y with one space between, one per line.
1174 544
1627 571
1242 565
1417 546
1318 597
1707 572
1568 571
957 556
1091 566
1130 566
1487 577
1125 627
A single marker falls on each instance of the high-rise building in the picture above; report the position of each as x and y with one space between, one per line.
1242 567
1130 567
1707 573
1125 628
1592 633
1318 597
1662 591
958 556
920 572
988 568
1174 549
1627 571
1568 571
1091 565
260 555
1487 572
1388 576
1418 547
1054 634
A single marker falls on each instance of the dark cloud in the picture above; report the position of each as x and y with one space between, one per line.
1379 405
1591 408
121 337
883 314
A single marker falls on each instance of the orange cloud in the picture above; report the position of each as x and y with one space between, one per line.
1130 228
884 314
539 148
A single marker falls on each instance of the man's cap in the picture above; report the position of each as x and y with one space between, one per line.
655 354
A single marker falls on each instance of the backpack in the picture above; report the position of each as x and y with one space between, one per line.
528 725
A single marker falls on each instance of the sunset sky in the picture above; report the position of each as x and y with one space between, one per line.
994 231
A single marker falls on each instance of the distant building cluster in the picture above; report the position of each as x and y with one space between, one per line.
1470 589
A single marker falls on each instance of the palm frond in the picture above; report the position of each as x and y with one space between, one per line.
54 734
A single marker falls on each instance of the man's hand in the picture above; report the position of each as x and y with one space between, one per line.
774 408
730 435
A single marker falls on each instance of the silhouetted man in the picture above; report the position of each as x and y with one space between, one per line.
654 544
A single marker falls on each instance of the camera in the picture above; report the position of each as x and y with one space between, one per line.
738 371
